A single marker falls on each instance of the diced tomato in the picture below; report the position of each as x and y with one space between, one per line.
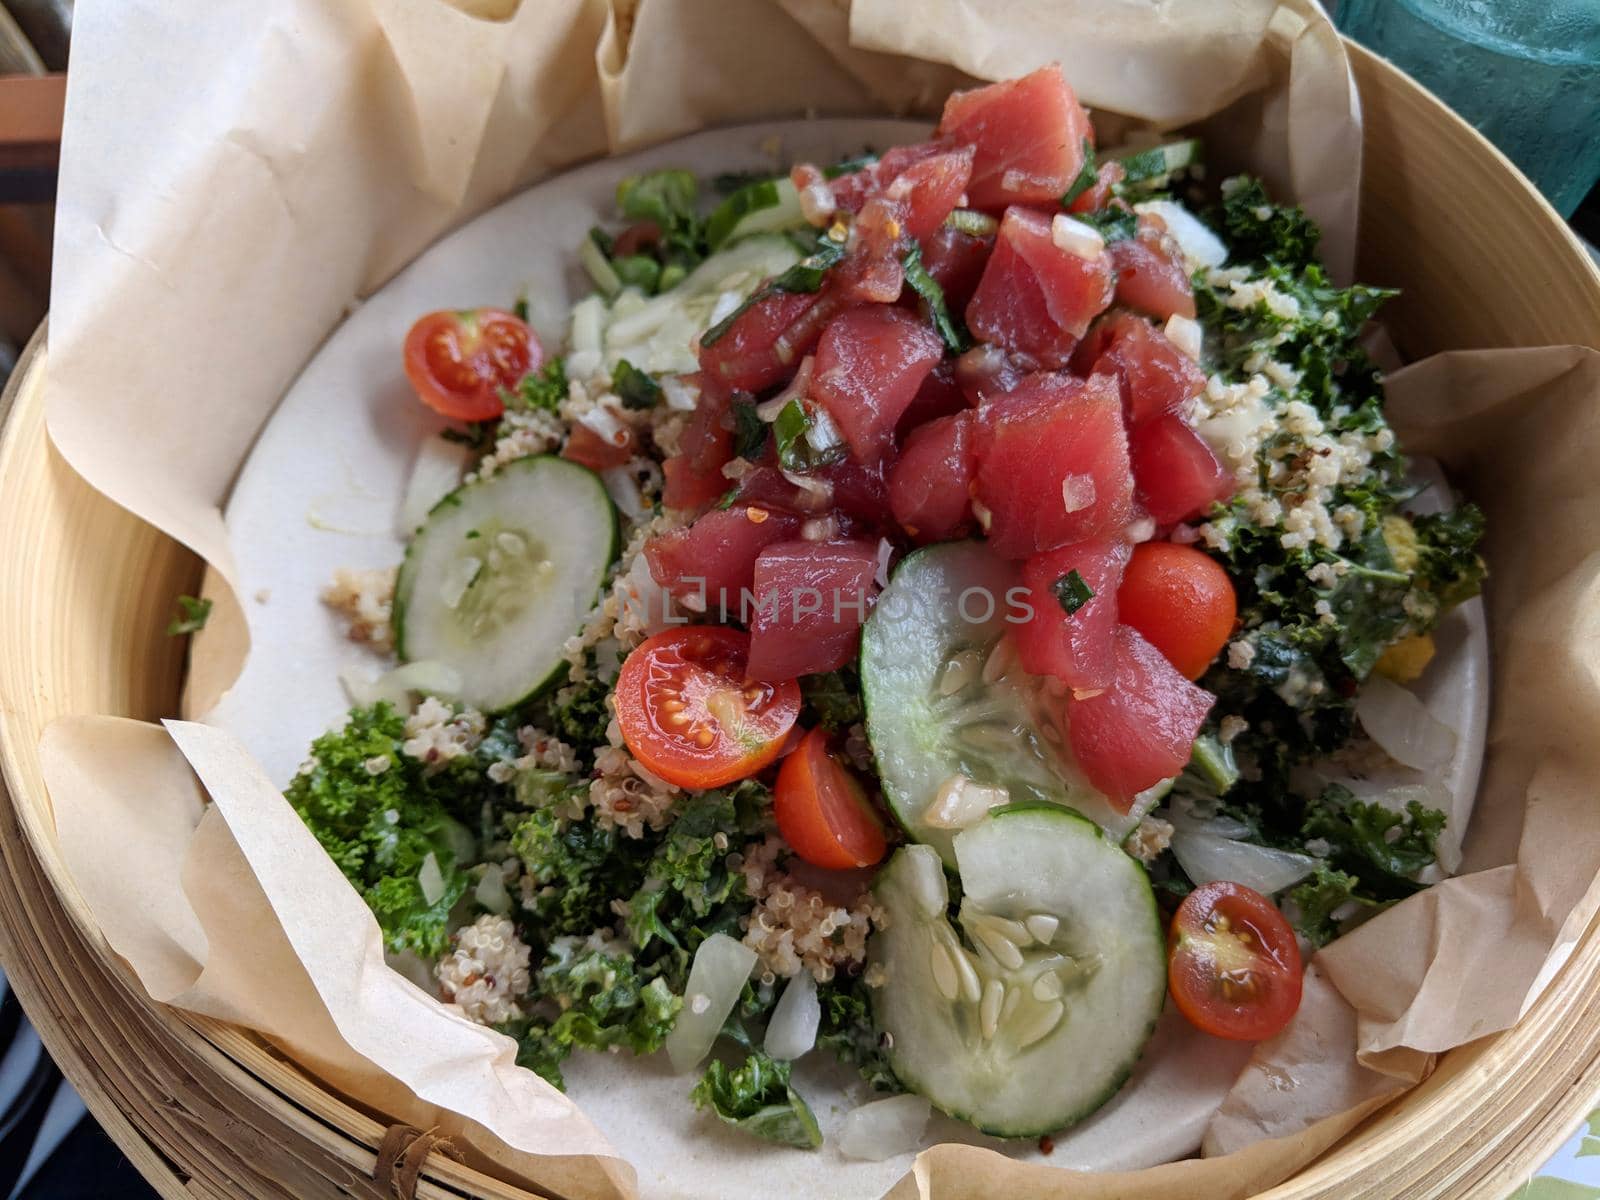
929 189
852 494
956 261
985 372
694 475
1076 646
1053 464
1140 730
1235 968
588 449
869 365
1175 473
1098 194
823 811
928 483
689 712
1035 297
714 560
811 601
753 354
939 396
1150 272
1029 135
1182 601
1156 376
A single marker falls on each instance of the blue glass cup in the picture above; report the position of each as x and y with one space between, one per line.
1525 72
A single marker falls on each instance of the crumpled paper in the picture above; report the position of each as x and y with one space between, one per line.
215 222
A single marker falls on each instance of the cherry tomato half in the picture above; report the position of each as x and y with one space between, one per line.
689 714
1181 600
460 361
588 449
1233 965
823 811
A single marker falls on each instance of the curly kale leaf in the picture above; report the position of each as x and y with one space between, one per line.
1449 566
542 390
577 714
578 868
380 815
1258 230
1315 902
847 1030
758 1098
834 699
1380 847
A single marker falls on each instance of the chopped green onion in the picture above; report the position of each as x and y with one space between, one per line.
927 287
1072 592
1085 179
634 387
1215 762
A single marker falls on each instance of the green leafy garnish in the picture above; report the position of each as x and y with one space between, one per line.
540 391
749 430
666 197
192 616
634 387
805 276
1112 224
834 698
927 287
758 1098
1084 179
1071 592
1316 900
795 451
1381 847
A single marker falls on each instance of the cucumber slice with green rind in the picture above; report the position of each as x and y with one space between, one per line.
931 712
765 206
1157 162
502 573
1035 1013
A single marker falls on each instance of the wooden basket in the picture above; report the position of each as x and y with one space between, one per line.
207 1110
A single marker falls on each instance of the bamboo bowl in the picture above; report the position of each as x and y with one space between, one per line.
204 1109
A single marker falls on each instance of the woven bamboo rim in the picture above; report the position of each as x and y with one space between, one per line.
204 1109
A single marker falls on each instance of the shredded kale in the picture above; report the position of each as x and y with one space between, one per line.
192 616
634 387
1259 231
956 338
477 435
847 1029
577 714
379 814
832 700
1382 848
1314 903
758 1098
577 869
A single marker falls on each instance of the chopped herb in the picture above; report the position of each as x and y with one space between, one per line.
758 1098
540 391
791 431
1085 178
849 166
192 616
520 309
805 276
1112 224
634 387
728 182
749 431
666 197
972 222
926 286
1072 592
834 699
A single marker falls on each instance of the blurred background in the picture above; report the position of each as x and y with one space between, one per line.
1525 72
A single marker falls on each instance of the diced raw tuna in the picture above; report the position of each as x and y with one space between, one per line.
1150 272
811 601
869 366
1029 134
711 562
1098 194
1036 298
939 396
928 483
1176 476
852 190
1074 647
956 261
1053 464
749 356
872 273
1156 376
694 475
1141 729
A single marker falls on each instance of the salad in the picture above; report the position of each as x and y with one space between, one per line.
934 607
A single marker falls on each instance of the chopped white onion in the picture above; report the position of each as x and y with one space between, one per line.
1208 857
623 487
426 675
721 966
431 880
644 597
820 529
434 475
491 890
795 389
630 328
724 307
605 425
793 1028
1199 245
819 492
926 884
1402 725
885 552
1184 333
817 202
1077 492
885 1128
822 435
682 396
588 327
1075 237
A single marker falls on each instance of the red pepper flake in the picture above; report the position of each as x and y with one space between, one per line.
1046 1144
756 516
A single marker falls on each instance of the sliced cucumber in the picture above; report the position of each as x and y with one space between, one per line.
1034 1014
932 716
1153 164
765 206
503 571
657 334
